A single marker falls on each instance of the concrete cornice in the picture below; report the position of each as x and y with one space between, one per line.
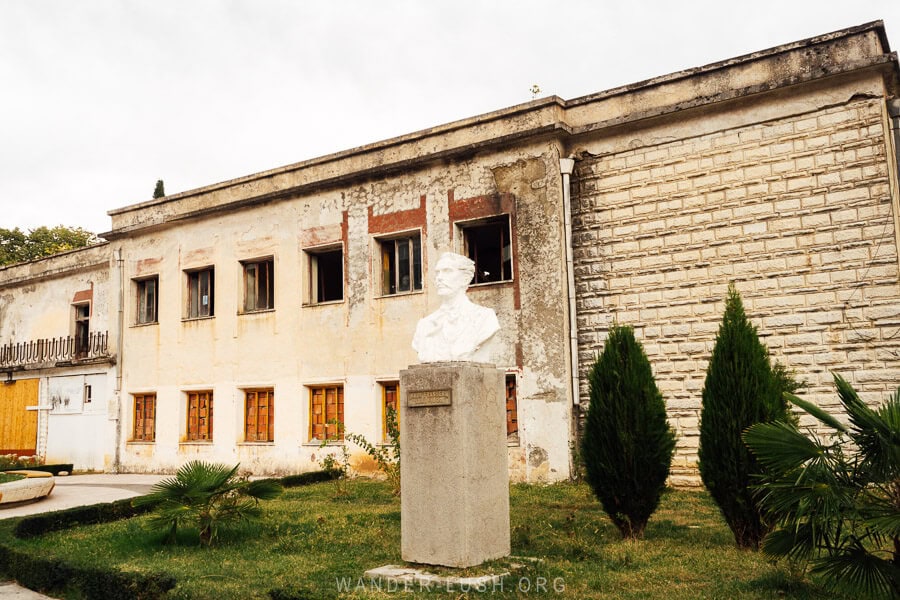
57 265
831 55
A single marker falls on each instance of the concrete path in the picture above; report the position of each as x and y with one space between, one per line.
76 490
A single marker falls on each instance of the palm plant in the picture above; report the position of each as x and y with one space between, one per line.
836 500
208 496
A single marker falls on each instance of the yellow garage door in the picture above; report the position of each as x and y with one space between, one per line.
18 427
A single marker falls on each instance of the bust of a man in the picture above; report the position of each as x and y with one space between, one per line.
458 330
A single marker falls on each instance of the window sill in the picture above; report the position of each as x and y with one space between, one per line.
148 324
319 444
141 442
191 319
487 284
328 303
272 443
256 312
400 294
196 443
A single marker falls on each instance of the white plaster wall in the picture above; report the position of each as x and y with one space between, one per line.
78 433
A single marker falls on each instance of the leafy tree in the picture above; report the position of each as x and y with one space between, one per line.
836 501
160 190
627 444
17 246
740 390
208 496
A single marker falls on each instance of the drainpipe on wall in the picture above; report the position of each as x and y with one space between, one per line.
893 107
566 165
120 335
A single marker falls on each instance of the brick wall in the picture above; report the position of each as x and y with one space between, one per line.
796 212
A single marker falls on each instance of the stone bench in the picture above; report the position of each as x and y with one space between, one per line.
36 485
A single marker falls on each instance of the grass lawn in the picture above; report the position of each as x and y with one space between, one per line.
309 541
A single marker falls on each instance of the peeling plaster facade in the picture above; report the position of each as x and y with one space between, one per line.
776 170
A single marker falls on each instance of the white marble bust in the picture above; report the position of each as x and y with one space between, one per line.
458 330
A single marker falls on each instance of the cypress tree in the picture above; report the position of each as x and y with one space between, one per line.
627 443
160 190
740 390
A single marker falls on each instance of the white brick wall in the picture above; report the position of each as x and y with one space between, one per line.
797 212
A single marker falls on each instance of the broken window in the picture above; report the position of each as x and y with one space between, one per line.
144 429
259 285
512 411
326 275
147 299
488 244
401 264
390 400
326 413
199 416
82 329
200 286
259 419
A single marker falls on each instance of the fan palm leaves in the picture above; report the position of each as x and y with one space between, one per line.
836 499
208 496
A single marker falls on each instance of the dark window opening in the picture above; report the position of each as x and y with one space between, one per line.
488 244
326 276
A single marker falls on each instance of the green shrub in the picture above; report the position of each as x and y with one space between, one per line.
836 500
305 478
14 461
55 575
39 524
627 444
740 390
387 457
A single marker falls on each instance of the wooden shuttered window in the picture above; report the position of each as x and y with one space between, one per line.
390 398
200 417
326 408
512 417
144 418
259 421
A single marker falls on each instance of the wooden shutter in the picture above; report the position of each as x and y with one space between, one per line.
512 417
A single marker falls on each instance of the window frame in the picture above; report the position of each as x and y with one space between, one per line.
82 322
389 388
193 292
315 282
269 436
323 421
254 265
511 404
388 258
142 406
143 299
195 435
507 269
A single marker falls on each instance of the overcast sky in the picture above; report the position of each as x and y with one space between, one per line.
99 99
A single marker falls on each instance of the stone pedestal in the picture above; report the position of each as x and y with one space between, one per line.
454 472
